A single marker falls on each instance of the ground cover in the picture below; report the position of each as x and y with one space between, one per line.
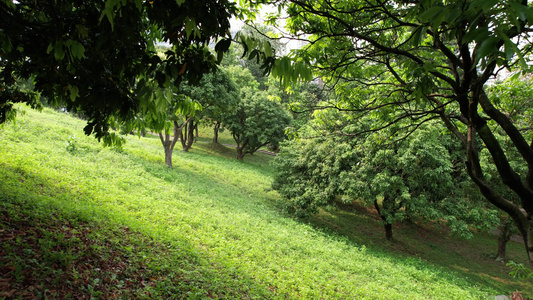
211 227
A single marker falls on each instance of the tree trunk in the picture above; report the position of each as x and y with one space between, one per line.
168 156
183 137
169 144
388 231
215 132
187 137
387 225
504 237
240 153
190 135
523 220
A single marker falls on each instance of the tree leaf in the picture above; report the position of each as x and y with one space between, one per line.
74 92
190 25
484 4
487 47
59 52
430 14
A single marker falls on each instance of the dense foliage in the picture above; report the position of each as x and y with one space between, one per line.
256 122
410 179
412 62
98 57
218 95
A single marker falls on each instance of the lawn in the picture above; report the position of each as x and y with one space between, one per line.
81 220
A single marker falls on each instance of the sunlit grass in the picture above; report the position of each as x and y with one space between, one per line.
219 212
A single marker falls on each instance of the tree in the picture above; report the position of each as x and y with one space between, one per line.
163 121
514 98
236 56
301 100
256 122
408 179
99 57
424 60
218 96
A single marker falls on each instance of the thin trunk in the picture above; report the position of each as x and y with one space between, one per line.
168 157
183 136
387 225
168 144
504 237
187 137
388 231
240 153
215 132
190 134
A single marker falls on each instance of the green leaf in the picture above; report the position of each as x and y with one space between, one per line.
50 48
486 48
476 34
417 35
223 45
190 25
7 46
267 48
83 32
452 15
59 52
510 48
77 50
74 92
110 16
430 14
484 4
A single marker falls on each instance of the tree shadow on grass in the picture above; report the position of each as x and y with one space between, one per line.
427 242
53 249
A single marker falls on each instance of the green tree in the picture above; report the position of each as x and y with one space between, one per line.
218 95
408 179
168 119
98 57
244 80
235 57
256 122
423 60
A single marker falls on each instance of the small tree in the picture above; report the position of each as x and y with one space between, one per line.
168 119
218 95
256 122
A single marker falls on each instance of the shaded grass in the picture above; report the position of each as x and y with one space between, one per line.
433 244
219 213
51 254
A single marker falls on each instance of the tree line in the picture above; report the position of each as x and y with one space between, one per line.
409 121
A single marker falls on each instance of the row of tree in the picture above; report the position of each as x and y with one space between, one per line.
229 98
397 70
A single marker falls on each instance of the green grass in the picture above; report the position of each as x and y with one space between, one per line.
209 228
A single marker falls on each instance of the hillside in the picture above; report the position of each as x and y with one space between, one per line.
81 220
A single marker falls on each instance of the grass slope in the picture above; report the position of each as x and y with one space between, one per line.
98 222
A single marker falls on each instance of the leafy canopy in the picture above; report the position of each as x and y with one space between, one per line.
99 57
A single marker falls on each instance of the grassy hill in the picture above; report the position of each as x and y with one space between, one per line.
81 220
